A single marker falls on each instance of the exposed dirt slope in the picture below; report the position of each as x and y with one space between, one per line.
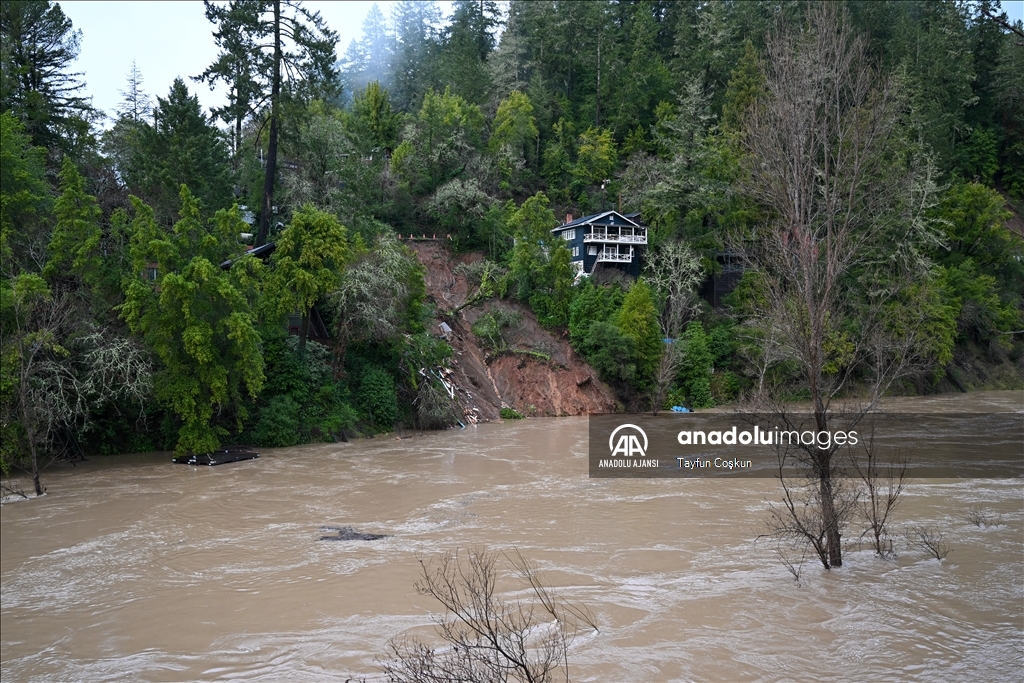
485 382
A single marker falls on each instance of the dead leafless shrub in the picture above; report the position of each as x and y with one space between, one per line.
929 541
980 517
486 637
817 501
884 481
11 488
787 556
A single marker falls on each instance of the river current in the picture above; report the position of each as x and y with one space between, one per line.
132 568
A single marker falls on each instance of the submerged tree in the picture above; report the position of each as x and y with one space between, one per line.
488 638
836 262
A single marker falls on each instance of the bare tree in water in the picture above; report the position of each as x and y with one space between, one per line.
487 638
841 290
883 481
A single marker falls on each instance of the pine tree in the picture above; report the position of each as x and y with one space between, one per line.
508 66
135 103
369 58
75 245
24 199
290 55
465 47
646 80
415 49
376 126
182 147
932 47
512 141
745 84
38 46
236 66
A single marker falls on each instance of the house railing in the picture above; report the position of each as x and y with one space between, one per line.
613 237
613 255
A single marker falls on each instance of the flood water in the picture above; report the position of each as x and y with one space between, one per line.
132 568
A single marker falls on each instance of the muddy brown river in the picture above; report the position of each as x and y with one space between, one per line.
134 569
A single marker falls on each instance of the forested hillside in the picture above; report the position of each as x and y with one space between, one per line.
857 163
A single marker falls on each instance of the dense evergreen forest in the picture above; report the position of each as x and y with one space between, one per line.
862 166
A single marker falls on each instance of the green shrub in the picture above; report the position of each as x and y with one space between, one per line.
610 352
334 413
721 341
638 319
586 308
676 397
725 386
510 414
697 363
278 423
307 380
376 398
489 328
979 156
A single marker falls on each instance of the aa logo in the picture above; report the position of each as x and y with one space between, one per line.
628 445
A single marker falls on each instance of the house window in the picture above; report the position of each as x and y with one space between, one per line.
569 235
150 272
575 252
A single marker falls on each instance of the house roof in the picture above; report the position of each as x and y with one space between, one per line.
262 253
611 218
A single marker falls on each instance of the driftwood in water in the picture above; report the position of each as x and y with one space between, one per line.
347 533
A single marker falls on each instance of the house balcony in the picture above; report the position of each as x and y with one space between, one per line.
639 237
615 256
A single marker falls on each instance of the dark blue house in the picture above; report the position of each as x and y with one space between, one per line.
608 238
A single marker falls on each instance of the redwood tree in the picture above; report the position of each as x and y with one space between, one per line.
272 52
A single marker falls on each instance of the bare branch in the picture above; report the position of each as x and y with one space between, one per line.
488 638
